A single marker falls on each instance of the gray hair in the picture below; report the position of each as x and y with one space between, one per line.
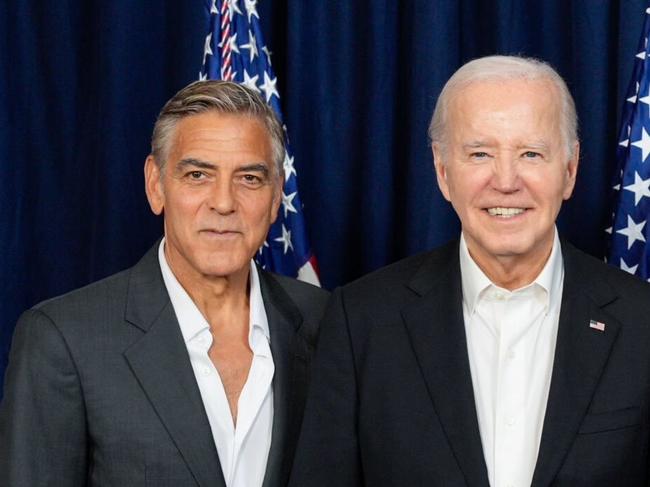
221 97
503 68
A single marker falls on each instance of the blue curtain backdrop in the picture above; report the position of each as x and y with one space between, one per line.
81 82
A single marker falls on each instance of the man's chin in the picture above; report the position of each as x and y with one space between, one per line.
512 249
222 264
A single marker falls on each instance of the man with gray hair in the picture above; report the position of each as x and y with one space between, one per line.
506 358
190 368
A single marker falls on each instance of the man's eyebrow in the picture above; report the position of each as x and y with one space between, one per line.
474 144
257 167
536 144
183 163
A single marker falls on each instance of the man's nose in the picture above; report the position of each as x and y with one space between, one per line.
222 197
505 177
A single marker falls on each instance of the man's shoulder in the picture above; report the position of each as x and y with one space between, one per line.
584 271
299 301
105 299
431 265
94 296
304 295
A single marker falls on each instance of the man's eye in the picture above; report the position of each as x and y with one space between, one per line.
531 154
196 175
252 179
479 155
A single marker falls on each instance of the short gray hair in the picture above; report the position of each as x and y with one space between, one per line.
220 97
496 68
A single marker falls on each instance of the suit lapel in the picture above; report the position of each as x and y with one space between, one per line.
160 362
290 357
580 357
435 324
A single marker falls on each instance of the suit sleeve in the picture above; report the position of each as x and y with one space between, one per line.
42 416
328 450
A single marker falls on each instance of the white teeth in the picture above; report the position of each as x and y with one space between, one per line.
505 212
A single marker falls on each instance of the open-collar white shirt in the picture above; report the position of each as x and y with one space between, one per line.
244 449
511 337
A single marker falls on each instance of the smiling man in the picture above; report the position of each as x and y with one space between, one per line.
191 368
507 358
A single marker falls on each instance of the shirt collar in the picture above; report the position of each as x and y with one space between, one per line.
258 318
191 320
475 282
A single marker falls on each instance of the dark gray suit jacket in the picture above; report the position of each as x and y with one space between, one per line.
100 390
391 394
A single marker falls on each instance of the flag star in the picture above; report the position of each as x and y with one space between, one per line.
207 48
617 187
285 239
251 45
641 55
213 7
633 231
608 230
234 7
632 99
625 267
626 142
264 244
266 51
251 82
645 99
251 9
644 144
640 188
287 165
287 203
269 87
232 42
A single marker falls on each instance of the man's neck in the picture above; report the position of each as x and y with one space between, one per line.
512 271
222 300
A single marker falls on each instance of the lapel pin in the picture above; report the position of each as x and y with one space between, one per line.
596 325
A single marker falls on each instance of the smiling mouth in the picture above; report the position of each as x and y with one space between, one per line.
505 212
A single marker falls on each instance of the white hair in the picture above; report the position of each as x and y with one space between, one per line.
504 68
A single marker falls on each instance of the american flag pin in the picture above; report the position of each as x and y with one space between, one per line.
596 325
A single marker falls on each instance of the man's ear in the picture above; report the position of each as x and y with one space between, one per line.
277 198
153 185
571 172
441 169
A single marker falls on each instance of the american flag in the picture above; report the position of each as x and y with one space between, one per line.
597 325
630 232
234 50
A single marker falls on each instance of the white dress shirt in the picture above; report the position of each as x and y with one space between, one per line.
244 449
511 340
